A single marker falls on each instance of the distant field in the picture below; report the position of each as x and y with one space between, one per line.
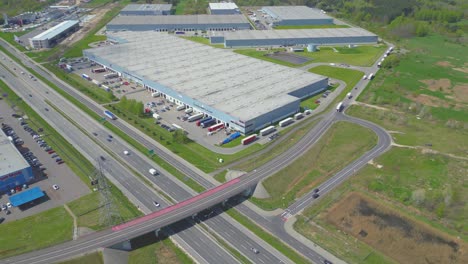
342 144
310 26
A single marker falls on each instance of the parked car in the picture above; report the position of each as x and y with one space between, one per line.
55 187
156 204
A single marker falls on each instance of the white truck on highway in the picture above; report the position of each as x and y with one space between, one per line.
349 95
153 171
340 107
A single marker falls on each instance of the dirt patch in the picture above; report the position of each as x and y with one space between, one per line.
429 100
444 64
442 85
461 93
465 70
398 237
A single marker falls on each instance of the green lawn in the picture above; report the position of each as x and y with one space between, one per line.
89 209
162 252
341 145
91 258
10 38
221 177
309 103
35 232
416 132
310 26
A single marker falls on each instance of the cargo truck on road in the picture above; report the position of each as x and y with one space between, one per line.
340 107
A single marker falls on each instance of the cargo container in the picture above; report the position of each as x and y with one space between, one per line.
340 107
298 116
156 94
98 70
199 122
195 117
286 122
208 123
216 127
96 82
85 76
267 130
349 95
249 139
189 110
307 112
180 107
111 75
109 114
156 116
230 138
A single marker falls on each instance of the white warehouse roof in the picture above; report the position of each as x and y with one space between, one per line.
295 12
147 7
235 84
296 33
55 30
223 6
10 158
187 19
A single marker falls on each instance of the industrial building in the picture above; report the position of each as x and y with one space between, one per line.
293 37
223 9
54 35
178 23
244 93
14 170
296 15
146 10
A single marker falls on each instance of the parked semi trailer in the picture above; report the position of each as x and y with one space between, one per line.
98 70
180 107
208 123
85 76
198 123
267 130
286 122
298 116
216 127
195 117
230 138
249 139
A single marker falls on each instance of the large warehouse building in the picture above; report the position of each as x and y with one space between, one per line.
178 23
293 37
223 9
244 93
14 170
54 35
296 15
146 10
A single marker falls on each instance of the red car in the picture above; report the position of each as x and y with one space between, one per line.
51 151
18 188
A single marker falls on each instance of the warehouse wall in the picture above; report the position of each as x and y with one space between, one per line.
275 115
311 89
11 180
300 22
173 27
145 13
224 12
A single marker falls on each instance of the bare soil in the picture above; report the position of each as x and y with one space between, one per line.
397 236
429 100
444 64
461 93
442 85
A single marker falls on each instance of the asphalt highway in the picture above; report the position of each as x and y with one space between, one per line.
142 164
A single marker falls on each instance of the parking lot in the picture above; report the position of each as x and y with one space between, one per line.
46 168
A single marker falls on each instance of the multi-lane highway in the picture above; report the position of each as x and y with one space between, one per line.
262 172
239 238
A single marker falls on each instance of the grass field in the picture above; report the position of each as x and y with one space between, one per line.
221 177
425 187
162 252
310 26
89 209
342 144
364 55
92 258
34 232
309 103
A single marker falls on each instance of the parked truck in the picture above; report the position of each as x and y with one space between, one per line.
371 76
189 110
195 117
230 138
155 94
199 122
216 127
267 130
98 70
156 116
286 122
85 76
298 116
208 123
180 107
249 139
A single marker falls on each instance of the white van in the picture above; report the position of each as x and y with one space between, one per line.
153 171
